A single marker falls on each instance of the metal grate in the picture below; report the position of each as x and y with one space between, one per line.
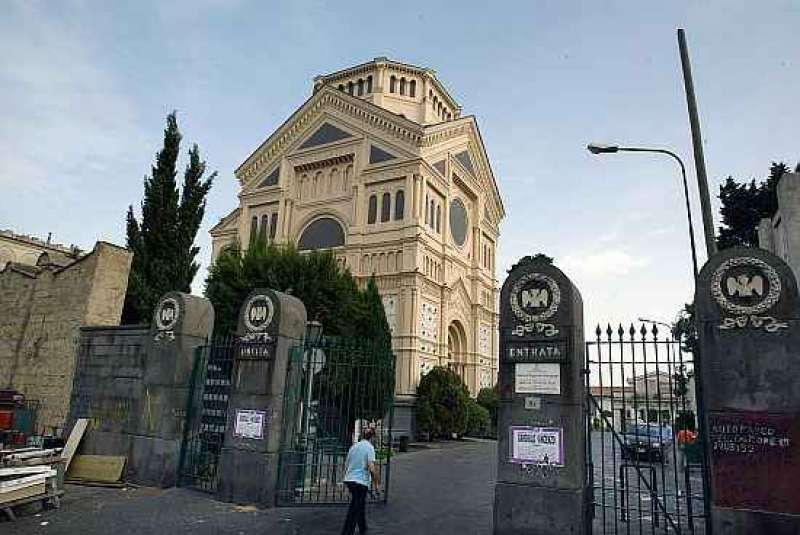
333 389
640 395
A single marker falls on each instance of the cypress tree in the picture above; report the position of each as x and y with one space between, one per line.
163 241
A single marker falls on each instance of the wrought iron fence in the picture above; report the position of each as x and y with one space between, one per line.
645 461
207 413
334 388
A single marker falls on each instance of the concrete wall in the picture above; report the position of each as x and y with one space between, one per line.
42 309
781 234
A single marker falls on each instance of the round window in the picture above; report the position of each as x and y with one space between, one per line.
459 221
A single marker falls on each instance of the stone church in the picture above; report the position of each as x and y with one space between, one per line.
380 166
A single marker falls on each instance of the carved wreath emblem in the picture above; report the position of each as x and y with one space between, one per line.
258 312
745 286
544 298
169 310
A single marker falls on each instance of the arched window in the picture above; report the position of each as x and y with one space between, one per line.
262 232
350 87
253 228
427 213
412 88
439 219
360 87
386 207
433 214
435 103
392 84
399 205
440 108
369 84
372 209
323 233
402 86
273 225
341 87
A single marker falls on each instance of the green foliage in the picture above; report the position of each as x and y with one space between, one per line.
163 242
489 398
538 257
743 205
684 329
479 421
442 400
330 294
359 348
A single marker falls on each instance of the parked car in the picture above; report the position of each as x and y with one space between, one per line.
648 442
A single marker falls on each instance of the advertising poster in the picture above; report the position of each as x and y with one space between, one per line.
537 445
250 424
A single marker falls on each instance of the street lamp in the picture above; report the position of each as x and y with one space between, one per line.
598 148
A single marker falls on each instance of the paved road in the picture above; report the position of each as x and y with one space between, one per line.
441 491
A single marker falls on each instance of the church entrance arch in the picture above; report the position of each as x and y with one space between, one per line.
457 348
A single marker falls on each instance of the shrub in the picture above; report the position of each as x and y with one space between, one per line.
478 420
489 399
442 400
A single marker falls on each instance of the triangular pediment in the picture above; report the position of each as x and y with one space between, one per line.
378 155
327 133
440 166
271 179
465 160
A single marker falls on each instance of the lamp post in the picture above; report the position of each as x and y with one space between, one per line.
596 148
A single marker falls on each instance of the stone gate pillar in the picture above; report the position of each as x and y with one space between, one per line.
747 317
541 474
270 324
181 323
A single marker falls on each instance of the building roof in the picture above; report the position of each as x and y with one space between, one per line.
38 242
321 79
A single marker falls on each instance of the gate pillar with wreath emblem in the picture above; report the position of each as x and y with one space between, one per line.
541 474
748 319
270 323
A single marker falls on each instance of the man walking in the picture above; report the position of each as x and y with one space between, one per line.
359 471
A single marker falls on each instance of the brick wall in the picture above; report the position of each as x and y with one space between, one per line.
41 312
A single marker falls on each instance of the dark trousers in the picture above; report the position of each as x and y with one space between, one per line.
356 514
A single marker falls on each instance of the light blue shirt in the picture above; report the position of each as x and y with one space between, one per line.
357 466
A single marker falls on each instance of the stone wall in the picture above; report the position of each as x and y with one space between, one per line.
780 235
42 309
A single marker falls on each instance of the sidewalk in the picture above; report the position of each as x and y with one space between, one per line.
442 490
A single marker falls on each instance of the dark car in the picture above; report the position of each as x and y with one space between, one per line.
648 442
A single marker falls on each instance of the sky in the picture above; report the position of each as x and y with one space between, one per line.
85 88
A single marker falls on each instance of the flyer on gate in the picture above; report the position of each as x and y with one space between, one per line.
537 445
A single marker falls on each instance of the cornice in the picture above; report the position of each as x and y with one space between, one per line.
399 128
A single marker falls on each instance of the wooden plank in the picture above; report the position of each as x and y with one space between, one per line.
103 468
25 481
18 450
19 470
33 454
74 440
27 492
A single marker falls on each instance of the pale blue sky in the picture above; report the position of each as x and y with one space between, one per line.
85 86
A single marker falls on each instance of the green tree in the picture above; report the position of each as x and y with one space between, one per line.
442 400
489 398
530 259
743 205
478 419
163 241
357 378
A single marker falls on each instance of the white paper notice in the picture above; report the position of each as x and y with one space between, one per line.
537 378
250 424
537 445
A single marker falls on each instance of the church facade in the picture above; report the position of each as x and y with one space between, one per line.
380 166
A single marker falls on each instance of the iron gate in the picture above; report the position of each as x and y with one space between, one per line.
207 414
333 389
644 442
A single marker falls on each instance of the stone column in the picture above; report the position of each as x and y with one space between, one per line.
181 323
270 324
748 318
541 473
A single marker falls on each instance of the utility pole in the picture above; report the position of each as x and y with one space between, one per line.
697 143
